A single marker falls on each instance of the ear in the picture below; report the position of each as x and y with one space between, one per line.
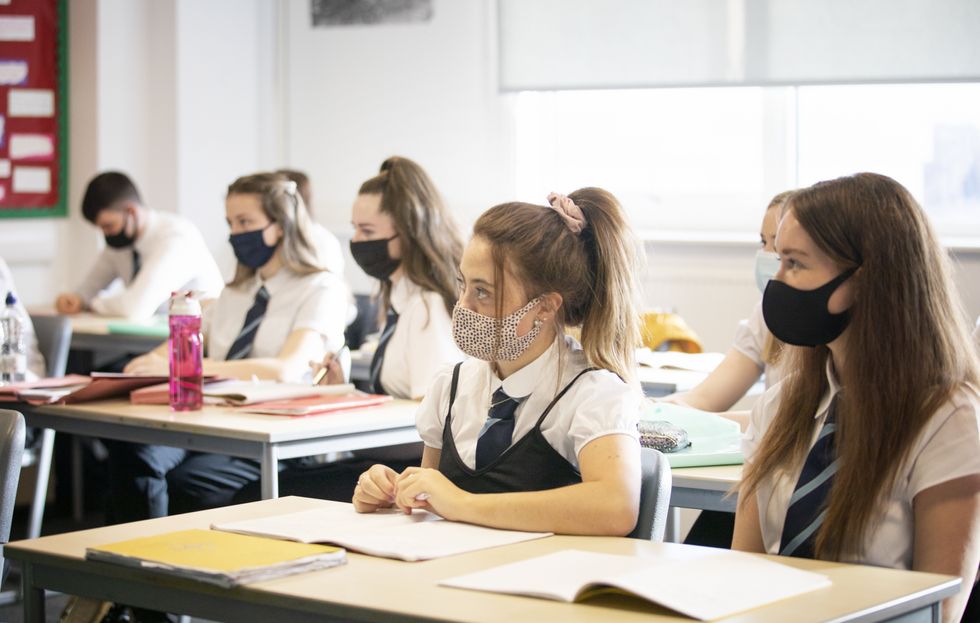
549 306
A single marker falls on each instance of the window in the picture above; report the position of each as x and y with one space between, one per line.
706 161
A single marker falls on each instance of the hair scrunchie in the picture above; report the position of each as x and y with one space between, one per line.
568 211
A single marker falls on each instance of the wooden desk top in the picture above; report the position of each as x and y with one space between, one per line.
231 422
382 589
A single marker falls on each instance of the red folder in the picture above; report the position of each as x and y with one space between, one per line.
317 405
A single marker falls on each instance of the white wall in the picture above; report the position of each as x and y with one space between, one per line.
173 92
358 94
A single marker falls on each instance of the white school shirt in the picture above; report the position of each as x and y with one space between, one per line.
317 302
35 361
422 343
599 403
327 248
947 448
750 340
173 256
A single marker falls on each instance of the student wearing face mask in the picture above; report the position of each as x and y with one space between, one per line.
534 431
755 351
281 310
406 239
150 253
868 451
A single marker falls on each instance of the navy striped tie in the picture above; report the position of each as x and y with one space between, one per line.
808 506
242 346
374 381
498 430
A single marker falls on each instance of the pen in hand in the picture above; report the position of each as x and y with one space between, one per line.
323 371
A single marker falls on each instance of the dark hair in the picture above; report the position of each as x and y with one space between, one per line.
302 185
104 190
431 244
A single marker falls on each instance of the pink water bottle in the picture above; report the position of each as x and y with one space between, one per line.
186 352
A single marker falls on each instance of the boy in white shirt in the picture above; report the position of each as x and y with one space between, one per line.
35 361
152 253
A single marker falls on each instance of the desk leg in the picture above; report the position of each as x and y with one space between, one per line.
41 484
672 532
33 596
270 472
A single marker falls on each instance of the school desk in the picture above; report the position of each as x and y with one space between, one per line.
700 488
376 589
228 430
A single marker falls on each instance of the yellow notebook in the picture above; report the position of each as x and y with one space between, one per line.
221 558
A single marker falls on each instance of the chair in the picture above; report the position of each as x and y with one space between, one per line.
12 433
53 340
654 496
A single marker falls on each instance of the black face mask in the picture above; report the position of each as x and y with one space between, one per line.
372 256
800 317
122 239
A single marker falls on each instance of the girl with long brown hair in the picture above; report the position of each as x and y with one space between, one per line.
281 309
869 450
406 239
534 431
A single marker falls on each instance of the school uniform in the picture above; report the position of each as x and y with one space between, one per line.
35 361
562 406
150 481
169 255
328 248
421 343
750 340
948 447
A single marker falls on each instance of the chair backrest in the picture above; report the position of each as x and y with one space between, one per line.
366 321
53 340
11 448
654 496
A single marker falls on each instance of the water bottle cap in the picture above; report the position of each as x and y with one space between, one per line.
11 298
184 304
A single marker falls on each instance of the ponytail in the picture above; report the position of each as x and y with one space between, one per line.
594 270
431 245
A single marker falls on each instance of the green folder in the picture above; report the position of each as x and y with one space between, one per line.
714 439
143 329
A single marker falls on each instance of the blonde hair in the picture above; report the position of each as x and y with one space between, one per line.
773 347
282 204
908 351
593 271
431 246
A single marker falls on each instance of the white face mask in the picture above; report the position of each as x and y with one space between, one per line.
476 334
766 267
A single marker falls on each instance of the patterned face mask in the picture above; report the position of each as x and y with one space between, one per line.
476 334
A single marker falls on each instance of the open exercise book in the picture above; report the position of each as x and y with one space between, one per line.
220 558
699 582
387 533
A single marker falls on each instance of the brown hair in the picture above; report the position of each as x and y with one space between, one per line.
908 350
772 347
594 271
431 246
281 204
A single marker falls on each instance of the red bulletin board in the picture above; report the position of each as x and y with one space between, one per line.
33 108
